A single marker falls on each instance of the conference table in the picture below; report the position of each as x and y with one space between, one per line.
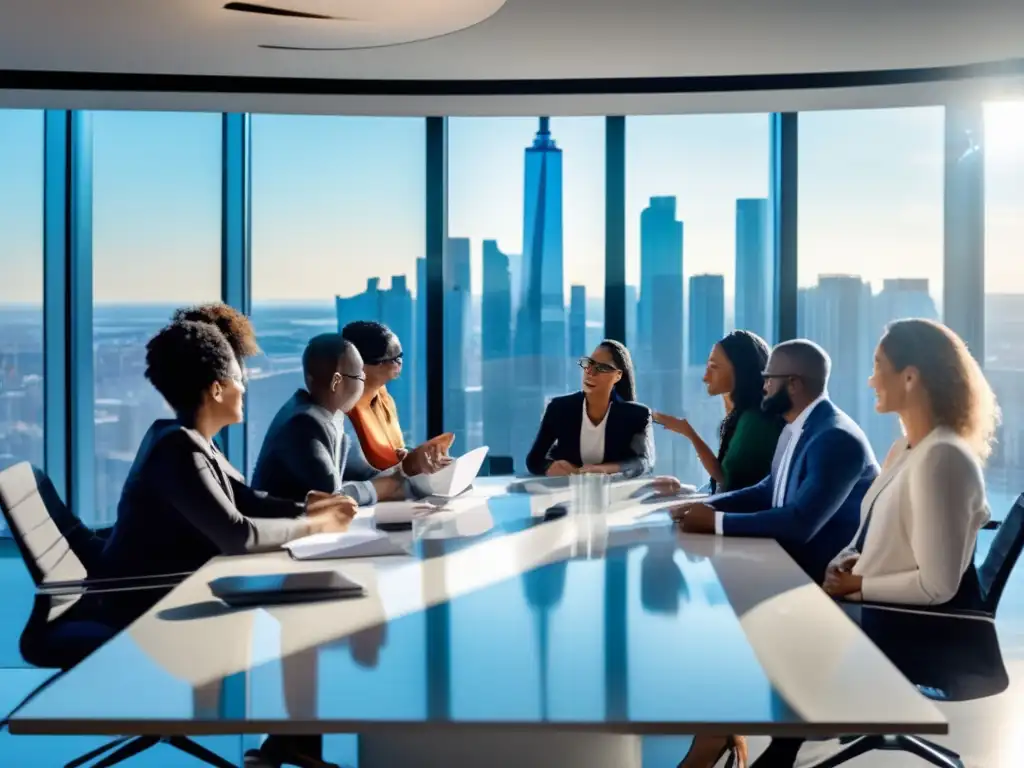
506 636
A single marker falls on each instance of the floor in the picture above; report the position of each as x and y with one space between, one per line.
988 733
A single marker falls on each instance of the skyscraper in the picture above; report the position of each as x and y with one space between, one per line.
660 315
496 350
836 313
577 322
456 335
707 316
540 340
754 268
419 361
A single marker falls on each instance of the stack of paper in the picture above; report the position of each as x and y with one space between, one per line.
453 479
357 543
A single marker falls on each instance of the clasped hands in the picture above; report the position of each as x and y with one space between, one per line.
840 581
329 512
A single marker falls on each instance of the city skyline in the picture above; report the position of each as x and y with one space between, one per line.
330 198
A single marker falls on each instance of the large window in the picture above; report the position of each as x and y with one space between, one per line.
156 246
338 234
870 240
698 260
1004 294
524 272
21 287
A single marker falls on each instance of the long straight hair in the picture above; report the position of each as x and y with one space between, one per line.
625 387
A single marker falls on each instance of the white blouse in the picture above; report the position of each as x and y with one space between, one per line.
592 438
926 509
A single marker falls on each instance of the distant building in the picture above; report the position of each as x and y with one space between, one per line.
754 268
707 316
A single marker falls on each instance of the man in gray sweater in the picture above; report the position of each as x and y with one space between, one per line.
306 447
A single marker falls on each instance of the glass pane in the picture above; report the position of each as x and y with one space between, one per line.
1004 295
338 234
526 208
156 246
870 239
21 288
698 261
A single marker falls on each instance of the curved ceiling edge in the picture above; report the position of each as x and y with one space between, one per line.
39 80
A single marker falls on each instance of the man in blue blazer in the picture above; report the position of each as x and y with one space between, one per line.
823 465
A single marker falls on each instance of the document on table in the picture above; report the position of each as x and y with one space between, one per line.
352 543
453 479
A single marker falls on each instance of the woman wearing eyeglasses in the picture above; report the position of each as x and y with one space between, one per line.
375 417
599 429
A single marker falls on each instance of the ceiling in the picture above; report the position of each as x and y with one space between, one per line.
511 57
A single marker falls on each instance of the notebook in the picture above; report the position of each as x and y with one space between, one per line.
351 543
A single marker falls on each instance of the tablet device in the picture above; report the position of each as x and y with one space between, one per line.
277 588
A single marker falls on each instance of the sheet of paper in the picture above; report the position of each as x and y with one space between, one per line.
453 479
352 543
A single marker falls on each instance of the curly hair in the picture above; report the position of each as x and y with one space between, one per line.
625 387
236 327
961 398
184 359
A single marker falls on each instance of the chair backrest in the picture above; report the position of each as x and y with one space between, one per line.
54 544
500 465
1002 556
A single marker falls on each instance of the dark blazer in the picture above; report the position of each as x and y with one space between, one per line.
628 438
183 503
832 468
304 450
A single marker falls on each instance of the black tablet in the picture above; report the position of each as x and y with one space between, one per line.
276 588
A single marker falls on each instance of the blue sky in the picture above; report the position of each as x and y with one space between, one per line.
337 200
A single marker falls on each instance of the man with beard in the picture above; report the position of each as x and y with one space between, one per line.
823 465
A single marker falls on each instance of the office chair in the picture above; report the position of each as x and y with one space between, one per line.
58 551
949 654
499 465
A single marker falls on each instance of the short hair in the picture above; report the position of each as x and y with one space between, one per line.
808 361
321 356
236 327
960 396
184 359
370 338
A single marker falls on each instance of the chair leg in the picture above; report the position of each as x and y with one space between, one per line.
198 751
932 753
859 746
89 756
126 751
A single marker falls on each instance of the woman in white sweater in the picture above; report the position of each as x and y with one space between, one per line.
920 519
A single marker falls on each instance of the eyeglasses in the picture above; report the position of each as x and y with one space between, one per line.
241 379
767 376
388 360
352 376
589 364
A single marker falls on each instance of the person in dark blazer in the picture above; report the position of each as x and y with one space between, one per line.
183 503
600 429
306 447
810 503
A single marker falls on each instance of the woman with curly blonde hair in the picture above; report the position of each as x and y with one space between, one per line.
920 519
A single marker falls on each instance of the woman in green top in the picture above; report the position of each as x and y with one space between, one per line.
747 436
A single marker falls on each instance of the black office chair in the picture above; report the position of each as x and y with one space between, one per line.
498 465
950 654
59 551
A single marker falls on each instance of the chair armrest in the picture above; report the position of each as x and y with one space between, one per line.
112 585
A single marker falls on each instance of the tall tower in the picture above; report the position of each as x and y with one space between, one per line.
496 351
540 338
456 336
707 316
754 269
